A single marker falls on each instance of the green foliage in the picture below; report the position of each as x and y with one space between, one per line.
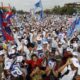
14 10
56 10
22 12
61 10
4 9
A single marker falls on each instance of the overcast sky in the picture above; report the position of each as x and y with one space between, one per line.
29 4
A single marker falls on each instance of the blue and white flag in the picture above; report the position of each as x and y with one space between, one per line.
16 71
78 25
72 28
38 5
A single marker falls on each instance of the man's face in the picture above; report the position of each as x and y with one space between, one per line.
31 48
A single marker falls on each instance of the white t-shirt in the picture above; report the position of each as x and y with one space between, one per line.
61 35
28 55
31 37
70 75
75 45
60 50
44 33
16 38
54 43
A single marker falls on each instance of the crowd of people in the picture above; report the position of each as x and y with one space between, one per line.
41 50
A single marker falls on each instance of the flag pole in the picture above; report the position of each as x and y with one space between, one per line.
9 7
41 9
41 4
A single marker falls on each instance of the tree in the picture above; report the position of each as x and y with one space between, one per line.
64 10
56 10
14 10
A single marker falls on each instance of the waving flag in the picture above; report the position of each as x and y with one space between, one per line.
7 36
16 71
1 14
5 29
38 4
8 15
73 26
78 25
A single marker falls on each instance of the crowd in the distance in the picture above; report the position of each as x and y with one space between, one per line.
41 50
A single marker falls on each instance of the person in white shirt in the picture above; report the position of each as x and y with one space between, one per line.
68 70
60 49
16 37
31 36
28 50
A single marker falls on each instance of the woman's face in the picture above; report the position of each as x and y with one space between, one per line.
34 58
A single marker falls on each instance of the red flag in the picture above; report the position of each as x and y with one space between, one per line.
4 24
7 36
8 14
